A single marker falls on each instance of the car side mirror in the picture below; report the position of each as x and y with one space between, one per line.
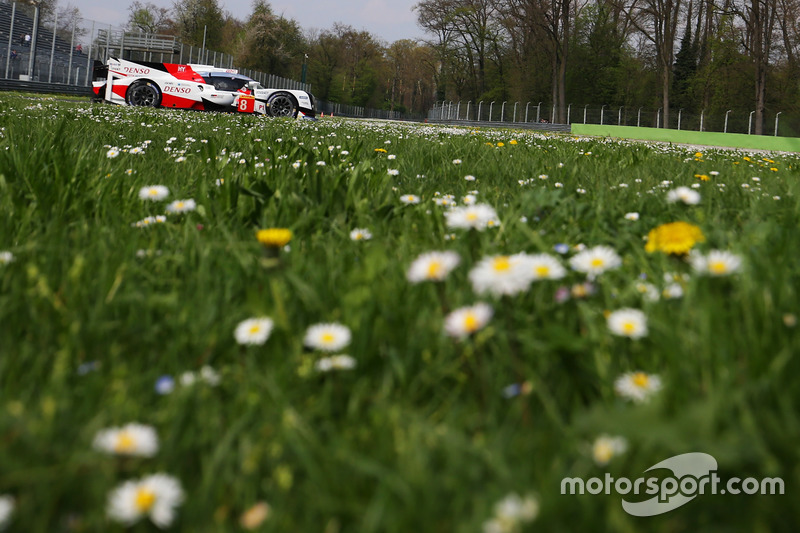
252 85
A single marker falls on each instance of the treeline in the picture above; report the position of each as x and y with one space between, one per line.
693 55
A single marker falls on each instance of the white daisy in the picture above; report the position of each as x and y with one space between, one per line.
253 330
501 274
637 386
329 337
6 257
469 177
672 291
628 322
648 291
716 263
112 153
544 266
393 172
360 234
153 192
131 439
634 216
181 206
683 194
409 199
606 448
514 509
477 216
335 362
594 261
467 320
155 497
6 510
432 266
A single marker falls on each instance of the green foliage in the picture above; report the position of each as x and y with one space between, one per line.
418 436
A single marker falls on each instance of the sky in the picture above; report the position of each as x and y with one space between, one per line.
389 20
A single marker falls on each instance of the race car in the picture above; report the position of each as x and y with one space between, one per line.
200 87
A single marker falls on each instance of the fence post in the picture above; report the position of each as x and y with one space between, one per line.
569 108
639 118
10 36
679 118
490 110
776 122
538 109
602 112
526 112
584 113
725 130
503 112
553 115
515 113
658 117
750 122
619 116
479 110
88 57
468 102
53 48
702 113
458 109
33 40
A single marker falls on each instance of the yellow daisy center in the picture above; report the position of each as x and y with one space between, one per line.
597 262
144 500
434 269
472 217
718 267
254 329
640 379
542 270
153 192
501 264
327 338
603 452
470 322
125 442
628 327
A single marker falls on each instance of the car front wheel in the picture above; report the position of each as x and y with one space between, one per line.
143 93
282 105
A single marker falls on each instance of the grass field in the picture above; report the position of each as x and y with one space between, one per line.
120 305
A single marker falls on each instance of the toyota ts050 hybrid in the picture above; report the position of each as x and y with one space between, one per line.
200 87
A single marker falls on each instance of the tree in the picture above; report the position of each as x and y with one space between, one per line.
147 17
199 21
270 43
657 20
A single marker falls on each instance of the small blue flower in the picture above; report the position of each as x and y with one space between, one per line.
561 248
165 384
85 368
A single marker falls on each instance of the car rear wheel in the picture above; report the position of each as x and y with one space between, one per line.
143 93
282 105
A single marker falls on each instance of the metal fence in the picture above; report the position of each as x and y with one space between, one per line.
53 51
731 121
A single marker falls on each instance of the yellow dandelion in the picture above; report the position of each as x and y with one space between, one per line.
500 145
381 150
702 177
676 238
512 141
274 237
773 169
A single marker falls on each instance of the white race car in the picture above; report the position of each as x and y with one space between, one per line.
200 87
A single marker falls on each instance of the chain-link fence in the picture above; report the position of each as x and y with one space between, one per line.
50 50
730 121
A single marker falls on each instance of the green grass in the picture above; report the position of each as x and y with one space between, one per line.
418 437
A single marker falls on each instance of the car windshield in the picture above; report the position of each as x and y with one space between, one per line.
226 82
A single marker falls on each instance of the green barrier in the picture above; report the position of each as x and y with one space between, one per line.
704 138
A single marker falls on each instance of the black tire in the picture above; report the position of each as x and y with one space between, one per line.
143 93
282 104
